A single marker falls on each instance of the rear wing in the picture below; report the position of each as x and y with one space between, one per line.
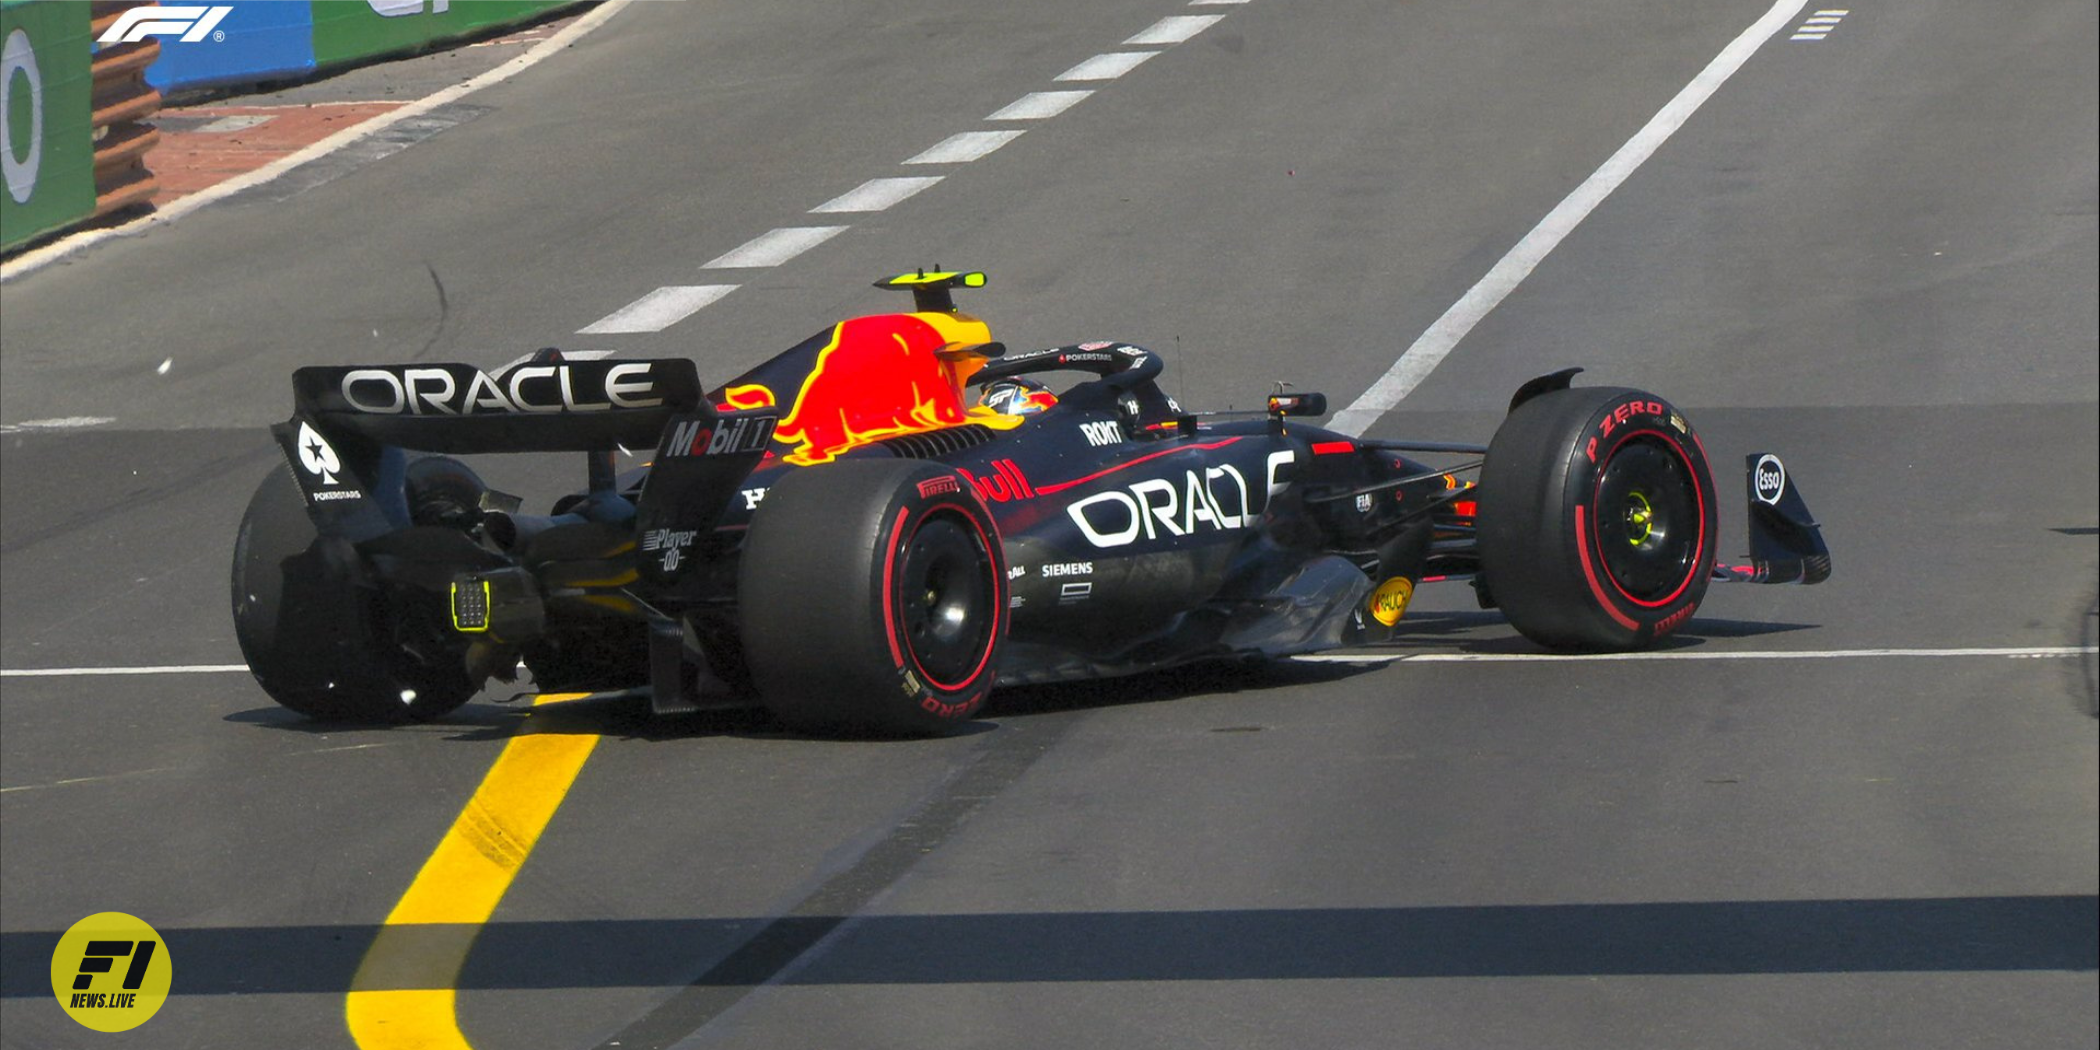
351 426
537 405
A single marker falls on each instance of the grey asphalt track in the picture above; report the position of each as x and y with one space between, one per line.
1875 254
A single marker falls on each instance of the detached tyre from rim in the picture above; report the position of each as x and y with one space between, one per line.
872 599
319 635
1597 519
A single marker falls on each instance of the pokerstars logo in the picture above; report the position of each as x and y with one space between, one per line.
111 972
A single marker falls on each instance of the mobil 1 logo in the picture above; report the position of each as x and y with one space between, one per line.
721 437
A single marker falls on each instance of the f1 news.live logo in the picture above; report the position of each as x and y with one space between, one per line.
111 971
98 958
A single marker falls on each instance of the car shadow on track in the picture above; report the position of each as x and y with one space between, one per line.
1489 633
628 717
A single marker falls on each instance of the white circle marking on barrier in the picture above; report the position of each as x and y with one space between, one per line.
20 55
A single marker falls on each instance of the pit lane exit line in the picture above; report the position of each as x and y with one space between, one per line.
1429 350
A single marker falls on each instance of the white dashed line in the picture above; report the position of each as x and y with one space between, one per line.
1106 66
2040 653
774 247
658 310
1418 360
877 194
671 304
964 147
1040 105
1819 25
1213 3
1174 29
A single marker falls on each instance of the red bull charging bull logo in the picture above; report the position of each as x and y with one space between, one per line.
877 378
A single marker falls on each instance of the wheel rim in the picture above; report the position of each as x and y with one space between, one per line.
1648 521
947 602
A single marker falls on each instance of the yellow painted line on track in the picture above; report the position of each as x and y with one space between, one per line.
403 997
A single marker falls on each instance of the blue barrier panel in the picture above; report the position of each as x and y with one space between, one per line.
258 40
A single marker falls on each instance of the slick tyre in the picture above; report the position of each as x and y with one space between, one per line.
1597 519
872 597
318 633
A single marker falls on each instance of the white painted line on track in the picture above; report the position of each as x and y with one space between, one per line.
877 194
1213 3
78 672
1040 105
2045 652
548 48
2038 653
1106 66
69 781
136 773
774 247
658 310
1174 29
964 147
67 423
1428 351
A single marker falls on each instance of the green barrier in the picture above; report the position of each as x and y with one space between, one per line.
355 30
48 156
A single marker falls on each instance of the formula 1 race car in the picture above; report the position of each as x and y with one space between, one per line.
868 531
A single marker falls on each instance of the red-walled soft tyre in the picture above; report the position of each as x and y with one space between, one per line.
872 598
1597 519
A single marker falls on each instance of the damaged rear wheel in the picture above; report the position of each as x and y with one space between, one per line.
320 635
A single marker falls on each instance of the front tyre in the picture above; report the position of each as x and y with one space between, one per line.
318 633
872 598
1597 519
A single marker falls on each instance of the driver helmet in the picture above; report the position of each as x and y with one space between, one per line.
1015 396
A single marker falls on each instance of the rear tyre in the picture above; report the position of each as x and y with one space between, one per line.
1597 519
319 634
873 599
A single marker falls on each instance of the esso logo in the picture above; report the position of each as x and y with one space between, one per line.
1768 479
